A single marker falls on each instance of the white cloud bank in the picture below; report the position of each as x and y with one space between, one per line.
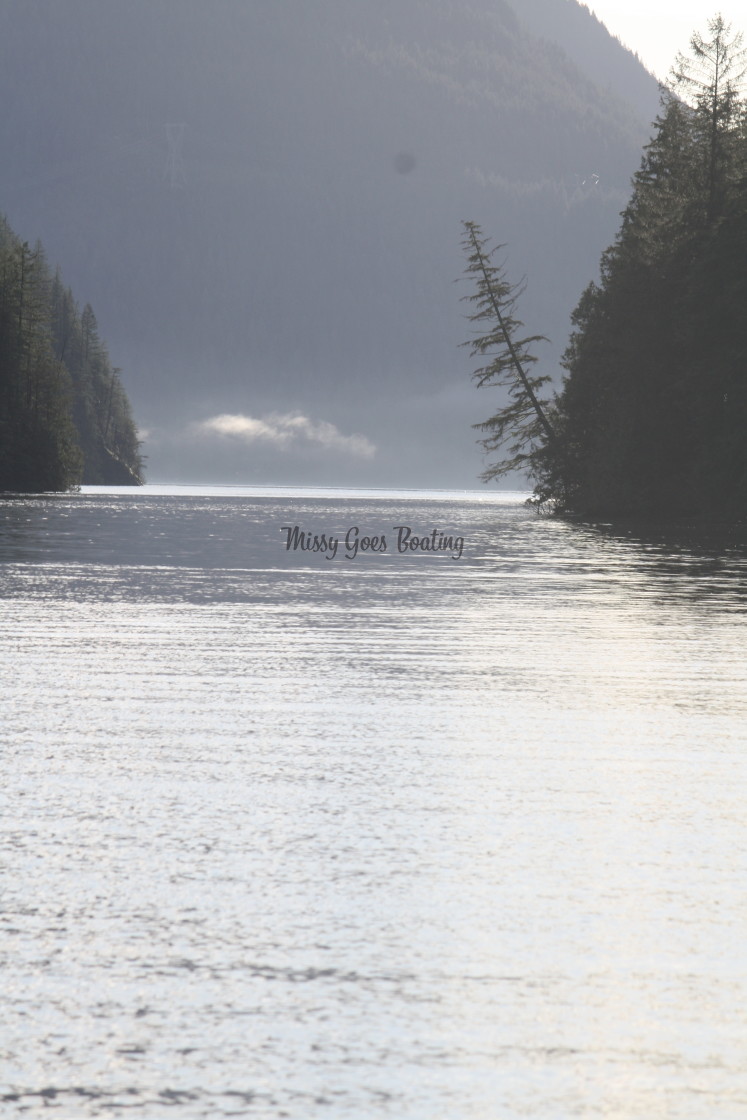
285 430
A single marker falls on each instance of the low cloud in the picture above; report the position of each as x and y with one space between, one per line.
285 431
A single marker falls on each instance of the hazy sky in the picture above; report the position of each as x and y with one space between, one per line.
657 29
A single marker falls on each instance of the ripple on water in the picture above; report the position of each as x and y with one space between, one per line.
398 837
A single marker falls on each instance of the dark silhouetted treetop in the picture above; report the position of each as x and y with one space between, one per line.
709 80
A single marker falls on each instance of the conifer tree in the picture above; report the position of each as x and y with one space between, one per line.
709 80
522 422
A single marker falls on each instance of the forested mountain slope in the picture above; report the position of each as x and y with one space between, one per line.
64 416
651 420
263 201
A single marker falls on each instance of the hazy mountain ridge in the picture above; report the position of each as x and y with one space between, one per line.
583 38
290 244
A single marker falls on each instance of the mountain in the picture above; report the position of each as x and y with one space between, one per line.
264 200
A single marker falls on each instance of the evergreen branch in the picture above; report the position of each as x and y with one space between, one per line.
495 305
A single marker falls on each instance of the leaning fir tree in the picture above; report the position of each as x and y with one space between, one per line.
520 427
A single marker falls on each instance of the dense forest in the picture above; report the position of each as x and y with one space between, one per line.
64 416
652 417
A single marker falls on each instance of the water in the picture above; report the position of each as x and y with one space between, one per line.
401 836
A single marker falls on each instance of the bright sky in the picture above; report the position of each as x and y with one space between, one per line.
657 29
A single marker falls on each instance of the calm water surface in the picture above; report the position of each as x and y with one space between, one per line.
401 836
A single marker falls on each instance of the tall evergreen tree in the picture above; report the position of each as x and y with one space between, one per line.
522 422
709 79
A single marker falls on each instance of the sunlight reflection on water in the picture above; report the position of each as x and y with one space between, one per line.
402 836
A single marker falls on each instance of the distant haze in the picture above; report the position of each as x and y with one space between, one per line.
657 29
263 203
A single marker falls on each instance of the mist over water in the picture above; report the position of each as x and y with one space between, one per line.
399 836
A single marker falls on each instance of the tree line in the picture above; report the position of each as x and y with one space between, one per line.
652 415
64 415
